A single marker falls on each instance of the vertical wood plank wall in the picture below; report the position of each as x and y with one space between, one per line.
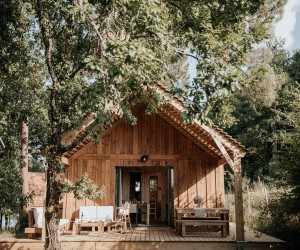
195 172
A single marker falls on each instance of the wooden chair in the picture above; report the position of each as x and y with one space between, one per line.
123 217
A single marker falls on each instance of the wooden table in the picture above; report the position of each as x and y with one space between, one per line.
211 217
78 225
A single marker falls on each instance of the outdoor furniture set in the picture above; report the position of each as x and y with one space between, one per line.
207 218
102 217
99 217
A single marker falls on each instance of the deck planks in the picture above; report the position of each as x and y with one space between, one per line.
166 234
152 238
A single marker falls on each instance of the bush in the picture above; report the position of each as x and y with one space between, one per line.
270 210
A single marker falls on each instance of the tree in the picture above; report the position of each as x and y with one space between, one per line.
20 99
281 215
253 111
104 56
220 42
265 118
289 133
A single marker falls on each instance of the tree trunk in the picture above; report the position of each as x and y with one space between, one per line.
24 164
54 153
53 191
24 169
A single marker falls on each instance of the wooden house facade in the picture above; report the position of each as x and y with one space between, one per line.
160 161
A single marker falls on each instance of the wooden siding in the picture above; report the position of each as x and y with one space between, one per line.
195 172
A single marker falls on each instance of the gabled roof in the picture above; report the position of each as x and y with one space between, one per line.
202 135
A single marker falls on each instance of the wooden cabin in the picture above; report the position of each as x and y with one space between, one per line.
160 161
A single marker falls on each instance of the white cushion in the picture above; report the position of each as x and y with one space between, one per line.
88 213
38 216
63 222
105 213
96 213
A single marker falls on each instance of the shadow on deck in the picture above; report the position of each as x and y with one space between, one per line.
152 238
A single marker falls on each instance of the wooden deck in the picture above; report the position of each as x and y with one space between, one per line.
152 238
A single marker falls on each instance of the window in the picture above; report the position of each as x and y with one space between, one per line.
153 184
137 186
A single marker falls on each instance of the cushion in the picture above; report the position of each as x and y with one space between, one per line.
96 213
38 216
63 222
88 213
105 213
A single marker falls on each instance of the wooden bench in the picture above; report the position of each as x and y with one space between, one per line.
33 231
221 223
210 217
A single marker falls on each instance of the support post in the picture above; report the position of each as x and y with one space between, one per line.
236 167
238 196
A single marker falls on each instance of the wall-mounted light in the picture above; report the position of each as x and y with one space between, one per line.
144 158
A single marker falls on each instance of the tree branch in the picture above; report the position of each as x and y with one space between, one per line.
187 54
76 70
47 41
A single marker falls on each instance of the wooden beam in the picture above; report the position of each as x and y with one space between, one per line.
2 143
138 156
238 197
230 162
222 162
64 160
69 136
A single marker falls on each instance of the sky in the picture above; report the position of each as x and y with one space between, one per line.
289 26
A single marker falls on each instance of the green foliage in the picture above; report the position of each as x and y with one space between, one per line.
84 188
277 219
269 209
221 49
27 199
21 98
10 183
255 111
270 129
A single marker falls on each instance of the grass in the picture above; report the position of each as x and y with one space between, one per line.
12 233
266 210
256 197
6 233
